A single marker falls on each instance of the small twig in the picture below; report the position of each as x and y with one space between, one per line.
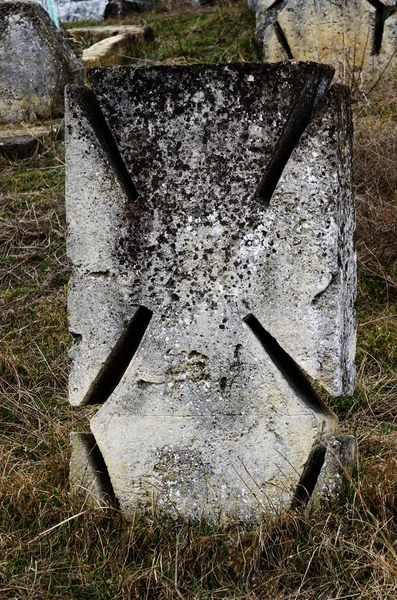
47 531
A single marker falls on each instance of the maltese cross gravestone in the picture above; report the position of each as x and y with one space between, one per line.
210 223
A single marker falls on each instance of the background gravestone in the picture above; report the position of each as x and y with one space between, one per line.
210 221
35 64
79 10
357 37
73 10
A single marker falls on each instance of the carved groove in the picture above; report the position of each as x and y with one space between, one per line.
97 465
299 118
383 12
271 15
309 477
120 357
291 372
89 105
283 40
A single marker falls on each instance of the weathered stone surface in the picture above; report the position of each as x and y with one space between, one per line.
110 52
35 64
88 474
210 226
358 38
48 6
80 10
336 472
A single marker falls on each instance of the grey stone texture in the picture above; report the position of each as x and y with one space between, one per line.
357 37
35 64
81 10
210 220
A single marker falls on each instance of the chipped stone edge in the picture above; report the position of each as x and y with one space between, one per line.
87 486
336 472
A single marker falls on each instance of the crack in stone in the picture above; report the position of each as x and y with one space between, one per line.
309 477
271 16
282 38
95 468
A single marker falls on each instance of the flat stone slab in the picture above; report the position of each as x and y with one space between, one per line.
92 35
358 38
210 219
111 51
35 64
18 141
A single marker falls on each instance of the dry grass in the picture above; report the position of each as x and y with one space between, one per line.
50 548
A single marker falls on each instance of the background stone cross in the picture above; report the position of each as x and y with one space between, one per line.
357 37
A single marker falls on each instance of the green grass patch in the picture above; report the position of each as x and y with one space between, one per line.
222 33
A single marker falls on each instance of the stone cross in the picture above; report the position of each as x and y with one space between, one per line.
210 232
357 37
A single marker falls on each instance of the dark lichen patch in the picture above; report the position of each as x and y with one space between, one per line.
197 149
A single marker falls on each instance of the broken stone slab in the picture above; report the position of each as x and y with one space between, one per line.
92 35
35 64
336 472
110 52
358 38
17 141
210 220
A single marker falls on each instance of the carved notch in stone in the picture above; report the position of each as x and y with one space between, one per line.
89 477
203 418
